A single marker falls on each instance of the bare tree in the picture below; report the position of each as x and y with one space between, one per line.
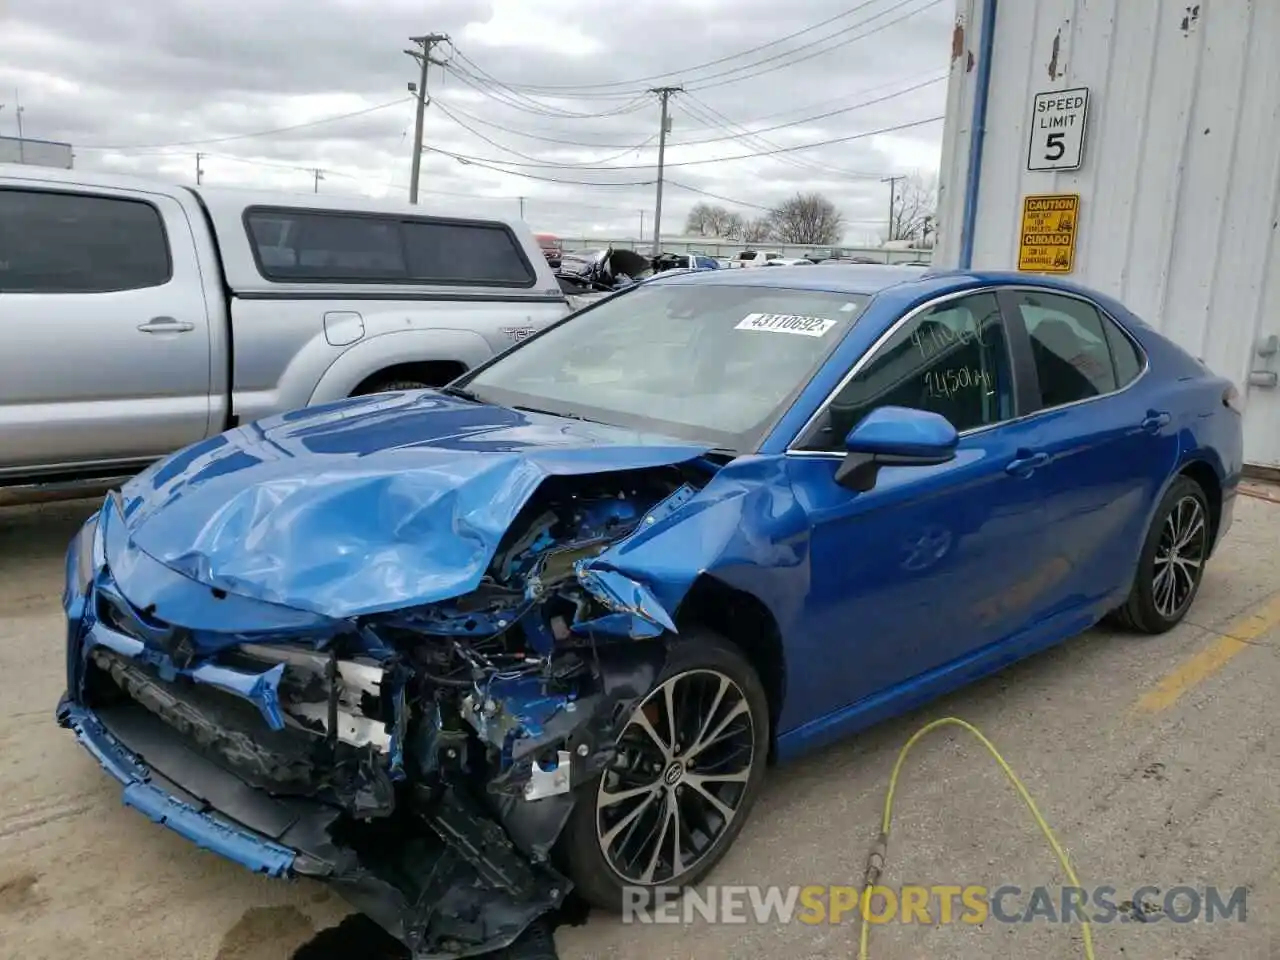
725 223
712 220
915 207
757 230
807 218
699 220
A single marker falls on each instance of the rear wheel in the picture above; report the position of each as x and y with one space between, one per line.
689 766
1171 566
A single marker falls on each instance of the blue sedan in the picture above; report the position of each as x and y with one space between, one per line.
460 652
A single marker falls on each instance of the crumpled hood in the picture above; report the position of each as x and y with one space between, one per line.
365 505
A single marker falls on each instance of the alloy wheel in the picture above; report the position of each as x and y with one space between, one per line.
679 776
1180 556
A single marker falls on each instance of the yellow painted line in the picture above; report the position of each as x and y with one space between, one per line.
1239 635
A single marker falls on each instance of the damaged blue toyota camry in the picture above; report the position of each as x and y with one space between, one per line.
458 653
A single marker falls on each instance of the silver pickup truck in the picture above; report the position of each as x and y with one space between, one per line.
137 317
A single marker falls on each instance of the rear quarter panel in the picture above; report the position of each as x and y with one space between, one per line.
1209 432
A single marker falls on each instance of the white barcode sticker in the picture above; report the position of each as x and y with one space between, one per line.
786 323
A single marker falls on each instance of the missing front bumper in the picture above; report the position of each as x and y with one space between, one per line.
460 898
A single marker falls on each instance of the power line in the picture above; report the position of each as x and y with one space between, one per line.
246 136
635 81
750 70
476 76
490 89
486 164
700 85
725 124
303 168
501 146
716 196
693 163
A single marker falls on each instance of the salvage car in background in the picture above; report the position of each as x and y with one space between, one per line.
588 275
458 652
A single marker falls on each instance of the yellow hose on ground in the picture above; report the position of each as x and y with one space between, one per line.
881 848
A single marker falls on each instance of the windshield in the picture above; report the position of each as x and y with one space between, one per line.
711 363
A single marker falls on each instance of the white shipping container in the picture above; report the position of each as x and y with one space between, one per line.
1178 174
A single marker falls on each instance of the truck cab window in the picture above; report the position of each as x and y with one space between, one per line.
55 242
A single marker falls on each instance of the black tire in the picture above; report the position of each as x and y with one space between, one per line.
1147 610
392 386
695 660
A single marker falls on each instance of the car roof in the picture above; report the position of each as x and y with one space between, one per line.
871 279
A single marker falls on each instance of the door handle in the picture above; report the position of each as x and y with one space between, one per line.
1026 465
166 325
1155 421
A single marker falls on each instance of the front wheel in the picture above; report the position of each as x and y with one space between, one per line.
1172 562
689 766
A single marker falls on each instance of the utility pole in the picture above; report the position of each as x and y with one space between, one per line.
17 109
641 225
319 175
423 56
893 196
522 208
664 94
199 169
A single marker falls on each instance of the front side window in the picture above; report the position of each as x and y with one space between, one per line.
54 242
1076 356
709 362
951 360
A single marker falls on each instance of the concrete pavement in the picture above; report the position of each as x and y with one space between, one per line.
1154 759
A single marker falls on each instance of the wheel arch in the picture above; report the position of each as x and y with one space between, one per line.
748 623
1206 476
432 373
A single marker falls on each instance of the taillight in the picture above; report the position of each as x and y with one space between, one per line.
1231 398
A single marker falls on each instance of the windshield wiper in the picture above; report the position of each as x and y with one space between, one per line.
461 393
553 413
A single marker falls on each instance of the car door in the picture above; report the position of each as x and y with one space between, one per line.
933 563
1105 434
106 352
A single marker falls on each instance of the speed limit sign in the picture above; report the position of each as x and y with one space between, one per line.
1057 129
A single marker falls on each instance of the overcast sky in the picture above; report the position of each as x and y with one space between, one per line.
558 87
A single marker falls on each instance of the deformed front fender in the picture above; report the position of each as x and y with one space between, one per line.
745 527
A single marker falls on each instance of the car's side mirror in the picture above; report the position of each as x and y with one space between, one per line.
894 437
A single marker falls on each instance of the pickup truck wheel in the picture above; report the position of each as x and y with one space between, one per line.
689 766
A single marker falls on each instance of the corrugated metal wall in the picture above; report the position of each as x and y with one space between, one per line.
1181 171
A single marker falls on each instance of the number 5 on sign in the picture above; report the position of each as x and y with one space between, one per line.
1057 129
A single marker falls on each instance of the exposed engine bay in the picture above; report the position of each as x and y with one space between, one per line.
432 752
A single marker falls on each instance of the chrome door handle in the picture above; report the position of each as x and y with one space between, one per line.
1025 466
1154 421
166 325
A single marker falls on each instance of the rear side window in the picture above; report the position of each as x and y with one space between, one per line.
352 248
464 253
1124 353
1079 353
54 242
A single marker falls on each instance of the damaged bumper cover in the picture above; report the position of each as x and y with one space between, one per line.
420 760
444 905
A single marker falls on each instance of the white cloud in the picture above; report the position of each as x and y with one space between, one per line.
553 92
